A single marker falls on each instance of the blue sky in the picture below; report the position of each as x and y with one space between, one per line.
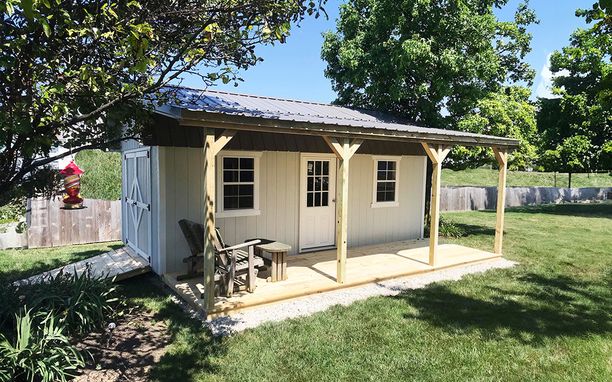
295 69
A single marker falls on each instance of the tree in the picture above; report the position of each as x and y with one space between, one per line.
582 111
506 113
76 73
431 62
571 155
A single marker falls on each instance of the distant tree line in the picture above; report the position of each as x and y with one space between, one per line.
455 65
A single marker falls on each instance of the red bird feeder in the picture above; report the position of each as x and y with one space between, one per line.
72 185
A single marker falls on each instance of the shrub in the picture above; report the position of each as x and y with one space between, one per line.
82 303
450 229
447 228
40 351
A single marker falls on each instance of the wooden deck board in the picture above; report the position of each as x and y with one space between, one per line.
316 272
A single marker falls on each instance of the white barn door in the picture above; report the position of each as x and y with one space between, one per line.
137 201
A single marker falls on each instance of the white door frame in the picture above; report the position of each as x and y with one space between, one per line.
135 207
304 157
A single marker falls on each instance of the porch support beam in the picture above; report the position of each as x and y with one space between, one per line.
344 148
436 154
502 160
212 146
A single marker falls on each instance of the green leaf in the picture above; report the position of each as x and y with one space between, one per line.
26 5
46 27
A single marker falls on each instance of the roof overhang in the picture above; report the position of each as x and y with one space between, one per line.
207 119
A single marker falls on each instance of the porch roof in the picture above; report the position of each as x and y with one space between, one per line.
217 109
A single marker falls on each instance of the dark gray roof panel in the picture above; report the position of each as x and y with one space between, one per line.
212 101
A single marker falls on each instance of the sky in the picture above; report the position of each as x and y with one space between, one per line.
295 69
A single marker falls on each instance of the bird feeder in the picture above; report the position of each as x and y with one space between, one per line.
72 186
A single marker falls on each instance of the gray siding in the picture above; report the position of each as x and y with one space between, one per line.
181 197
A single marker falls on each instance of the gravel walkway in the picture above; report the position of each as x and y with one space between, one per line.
308 305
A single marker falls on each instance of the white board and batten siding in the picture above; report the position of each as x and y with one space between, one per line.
180 196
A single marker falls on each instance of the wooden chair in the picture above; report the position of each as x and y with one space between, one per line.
235 268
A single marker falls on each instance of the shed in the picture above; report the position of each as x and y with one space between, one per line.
263 167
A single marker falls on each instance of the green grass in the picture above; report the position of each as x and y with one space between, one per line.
17 264
488 177
549 318
102 177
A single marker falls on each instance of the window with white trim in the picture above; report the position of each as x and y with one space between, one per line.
386 178
238 184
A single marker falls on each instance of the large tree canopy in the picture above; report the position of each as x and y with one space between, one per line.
576 126
505 113
429 61
80 70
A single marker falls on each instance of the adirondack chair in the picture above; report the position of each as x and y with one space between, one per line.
235 267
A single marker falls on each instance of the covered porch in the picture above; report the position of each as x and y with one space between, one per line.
316 272
221 121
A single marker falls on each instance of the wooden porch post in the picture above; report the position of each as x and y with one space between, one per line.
212 147
344 150
502 159
437 154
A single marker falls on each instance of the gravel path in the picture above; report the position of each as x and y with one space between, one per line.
308 305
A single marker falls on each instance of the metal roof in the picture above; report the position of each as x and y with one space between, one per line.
213 102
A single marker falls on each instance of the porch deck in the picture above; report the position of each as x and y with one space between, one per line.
316 272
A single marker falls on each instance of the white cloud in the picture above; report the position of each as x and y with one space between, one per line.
544 88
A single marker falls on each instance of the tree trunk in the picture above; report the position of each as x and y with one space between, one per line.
569 180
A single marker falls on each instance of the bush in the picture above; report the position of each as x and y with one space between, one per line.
39 352
447 228
82 303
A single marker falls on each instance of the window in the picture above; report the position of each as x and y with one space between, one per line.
386 180
238 185
317 187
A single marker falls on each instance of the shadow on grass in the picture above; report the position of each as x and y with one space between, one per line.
40 266
571 209
552 307
192 344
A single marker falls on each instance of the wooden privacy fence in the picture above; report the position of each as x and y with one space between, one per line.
51 226
485 198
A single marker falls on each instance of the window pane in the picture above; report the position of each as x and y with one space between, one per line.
310 167
390 196
325 183
391 165
326 168
230 190
310 186
382 175
391 175
245 202
309 199
317 199
246 190
230 202
230 163
230 176
380 196
247 163
318 167
325 199
382 165
247 176
317 183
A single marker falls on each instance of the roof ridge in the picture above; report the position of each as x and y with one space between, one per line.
259 96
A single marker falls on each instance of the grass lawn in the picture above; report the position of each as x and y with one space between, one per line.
17 264
487 177
549 318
